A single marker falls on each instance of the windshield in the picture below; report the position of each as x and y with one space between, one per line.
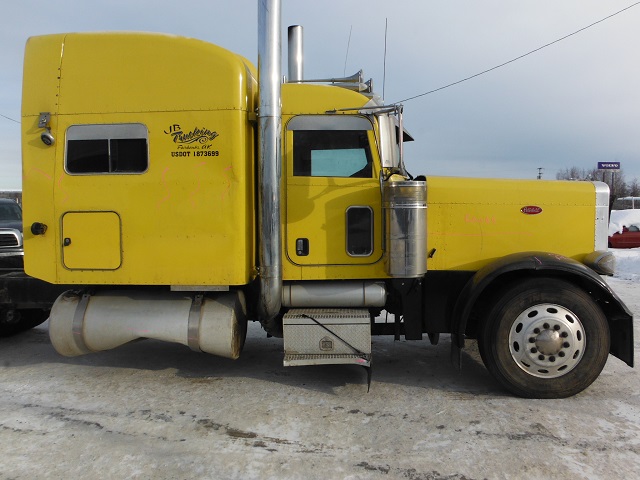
10 211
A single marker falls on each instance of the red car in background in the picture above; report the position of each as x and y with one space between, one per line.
629 238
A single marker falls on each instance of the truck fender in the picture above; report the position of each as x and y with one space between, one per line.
524 264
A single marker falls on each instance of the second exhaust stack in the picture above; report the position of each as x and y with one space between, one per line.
296 54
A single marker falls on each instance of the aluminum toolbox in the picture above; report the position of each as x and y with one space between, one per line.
327 336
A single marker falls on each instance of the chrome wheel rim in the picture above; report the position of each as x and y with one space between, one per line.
547 341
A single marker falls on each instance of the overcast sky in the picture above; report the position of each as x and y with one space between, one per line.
576 102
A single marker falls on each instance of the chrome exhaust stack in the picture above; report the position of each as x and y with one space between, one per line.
296 54
269 158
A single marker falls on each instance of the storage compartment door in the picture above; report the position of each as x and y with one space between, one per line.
91 241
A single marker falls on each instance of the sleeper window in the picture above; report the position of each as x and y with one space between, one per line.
104 149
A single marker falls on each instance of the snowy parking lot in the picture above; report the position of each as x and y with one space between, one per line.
155 410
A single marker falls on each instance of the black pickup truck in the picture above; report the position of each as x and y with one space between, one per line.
24 301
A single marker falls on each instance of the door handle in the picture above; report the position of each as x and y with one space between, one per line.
302 247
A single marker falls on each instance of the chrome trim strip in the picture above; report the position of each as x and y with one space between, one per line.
601 232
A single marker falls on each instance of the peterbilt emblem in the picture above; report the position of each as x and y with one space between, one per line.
531 210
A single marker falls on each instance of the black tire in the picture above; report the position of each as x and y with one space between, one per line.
544 338
21 320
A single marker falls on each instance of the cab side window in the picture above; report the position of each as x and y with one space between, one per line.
331 146
333 153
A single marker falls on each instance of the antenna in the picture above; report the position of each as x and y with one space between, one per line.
384 62
347 55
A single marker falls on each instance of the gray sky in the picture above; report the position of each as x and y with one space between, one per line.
574 103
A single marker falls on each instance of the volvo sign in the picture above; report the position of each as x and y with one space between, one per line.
609 166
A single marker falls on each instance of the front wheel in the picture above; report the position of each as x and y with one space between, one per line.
544 338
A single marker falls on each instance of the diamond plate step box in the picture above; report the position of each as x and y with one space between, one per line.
327 336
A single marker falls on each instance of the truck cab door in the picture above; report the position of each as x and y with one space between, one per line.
333 201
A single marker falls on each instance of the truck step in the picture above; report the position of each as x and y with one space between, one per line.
297 360
327 336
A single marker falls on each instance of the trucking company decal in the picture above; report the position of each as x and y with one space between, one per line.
194 143
531 210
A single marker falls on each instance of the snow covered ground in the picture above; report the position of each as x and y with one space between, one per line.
627 264
152 410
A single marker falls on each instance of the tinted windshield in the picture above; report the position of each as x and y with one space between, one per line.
10 211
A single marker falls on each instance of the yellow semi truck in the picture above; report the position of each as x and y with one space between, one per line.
184 193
